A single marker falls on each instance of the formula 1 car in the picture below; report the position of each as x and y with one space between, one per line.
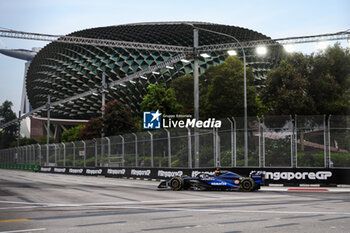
220 180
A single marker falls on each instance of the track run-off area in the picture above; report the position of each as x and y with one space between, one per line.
41 202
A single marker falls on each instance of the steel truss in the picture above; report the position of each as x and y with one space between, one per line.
183 50
273 42
111 85
173 48
93 41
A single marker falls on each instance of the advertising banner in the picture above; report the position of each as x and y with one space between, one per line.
288 176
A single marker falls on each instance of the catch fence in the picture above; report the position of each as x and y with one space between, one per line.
273 141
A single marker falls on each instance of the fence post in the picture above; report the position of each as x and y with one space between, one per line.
95 140
55 154
169 147
136 151
108 150
296 140
292 144
232 152
214 147
26 161
189 147
73 154
328 145
84 152
261 143
28 150
218 156
32 154
33 157
64 154
47 154
39 154
18 155
151 135
29 154
19 160
23 154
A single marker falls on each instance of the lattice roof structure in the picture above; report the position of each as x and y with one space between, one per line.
62 70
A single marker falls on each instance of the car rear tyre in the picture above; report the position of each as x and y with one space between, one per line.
247 185
176 183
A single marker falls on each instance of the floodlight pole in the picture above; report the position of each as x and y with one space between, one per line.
103 89
19 128
196 97
195 74
48 129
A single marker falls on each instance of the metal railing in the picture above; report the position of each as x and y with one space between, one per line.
273 141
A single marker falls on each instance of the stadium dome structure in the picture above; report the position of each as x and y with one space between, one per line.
62 70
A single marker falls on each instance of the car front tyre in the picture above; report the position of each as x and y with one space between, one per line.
176 183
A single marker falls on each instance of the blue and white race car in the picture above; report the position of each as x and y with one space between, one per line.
220 180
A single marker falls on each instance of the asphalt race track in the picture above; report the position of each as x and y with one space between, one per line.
38 202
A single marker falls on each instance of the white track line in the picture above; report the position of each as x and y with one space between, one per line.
232 211
121 204
26 230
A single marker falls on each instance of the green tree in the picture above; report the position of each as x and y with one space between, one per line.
7 135
330 81
286 90
310 85
92 129
183 88
223 85
42 140
162 99
24 141
72 134
118 119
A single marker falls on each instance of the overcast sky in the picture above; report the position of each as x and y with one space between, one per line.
274 18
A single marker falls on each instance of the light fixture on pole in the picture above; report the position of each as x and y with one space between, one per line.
322 45
205 55
289 48
232 52
261 50
195 74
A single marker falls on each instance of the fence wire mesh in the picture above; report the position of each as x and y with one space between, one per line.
273 141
